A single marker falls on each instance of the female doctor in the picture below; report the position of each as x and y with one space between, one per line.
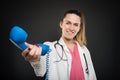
69 58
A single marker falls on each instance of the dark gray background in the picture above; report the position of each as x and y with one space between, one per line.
41 20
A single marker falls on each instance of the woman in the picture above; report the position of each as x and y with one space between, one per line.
69 58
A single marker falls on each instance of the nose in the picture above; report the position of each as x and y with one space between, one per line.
71 27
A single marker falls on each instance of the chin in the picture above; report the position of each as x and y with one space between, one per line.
68 38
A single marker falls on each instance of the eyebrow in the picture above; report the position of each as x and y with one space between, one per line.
69 21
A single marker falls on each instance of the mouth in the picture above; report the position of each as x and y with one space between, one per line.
70 32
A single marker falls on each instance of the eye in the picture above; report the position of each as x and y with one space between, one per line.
76 24
68 23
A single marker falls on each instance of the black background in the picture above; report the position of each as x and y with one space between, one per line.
41 20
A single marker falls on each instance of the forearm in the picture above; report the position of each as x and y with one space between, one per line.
39 66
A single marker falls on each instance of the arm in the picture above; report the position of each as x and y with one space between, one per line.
32 54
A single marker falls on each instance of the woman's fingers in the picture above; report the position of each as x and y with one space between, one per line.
25 52
29 45
38 53
33 54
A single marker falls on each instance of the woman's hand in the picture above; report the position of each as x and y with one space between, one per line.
32 53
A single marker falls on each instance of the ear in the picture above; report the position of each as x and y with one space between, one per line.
60 24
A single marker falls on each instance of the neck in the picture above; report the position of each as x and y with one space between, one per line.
69 43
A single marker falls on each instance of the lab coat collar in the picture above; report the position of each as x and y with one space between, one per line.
61 41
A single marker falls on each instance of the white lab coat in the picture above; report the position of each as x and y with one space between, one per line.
61 70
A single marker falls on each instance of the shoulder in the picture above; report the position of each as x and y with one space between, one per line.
85 49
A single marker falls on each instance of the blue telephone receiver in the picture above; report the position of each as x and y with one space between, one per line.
18 37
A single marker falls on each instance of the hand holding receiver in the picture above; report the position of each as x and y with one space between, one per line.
18 37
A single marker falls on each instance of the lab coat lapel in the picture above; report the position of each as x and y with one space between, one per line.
81 52
64 45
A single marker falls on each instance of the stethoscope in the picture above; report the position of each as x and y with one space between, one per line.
57 44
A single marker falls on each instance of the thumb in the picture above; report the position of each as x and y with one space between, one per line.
29 45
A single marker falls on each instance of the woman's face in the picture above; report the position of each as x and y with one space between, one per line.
70 26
